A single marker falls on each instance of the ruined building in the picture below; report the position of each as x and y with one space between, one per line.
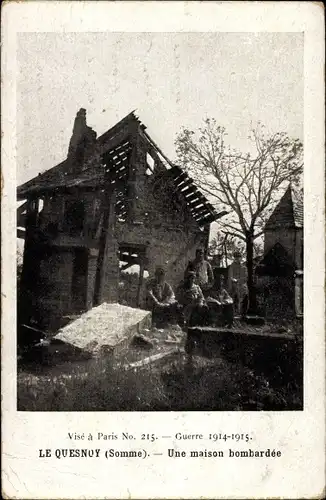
116 201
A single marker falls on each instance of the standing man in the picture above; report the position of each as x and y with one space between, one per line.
161 299
203 270
237 280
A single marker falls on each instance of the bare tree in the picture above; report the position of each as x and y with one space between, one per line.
226 245
248 184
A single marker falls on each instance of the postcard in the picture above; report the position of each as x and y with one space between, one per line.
163 250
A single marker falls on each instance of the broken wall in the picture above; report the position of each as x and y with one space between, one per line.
55 280
157 219
170 248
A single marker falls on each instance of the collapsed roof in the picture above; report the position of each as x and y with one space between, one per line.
113 150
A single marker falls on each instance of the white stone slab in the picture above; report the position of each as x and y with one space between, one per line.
104 327
152 359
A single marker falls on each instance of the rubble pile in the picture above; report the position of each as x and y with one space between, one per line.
105 327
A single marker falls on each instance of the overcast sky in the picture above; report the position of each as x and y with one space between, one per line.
171 79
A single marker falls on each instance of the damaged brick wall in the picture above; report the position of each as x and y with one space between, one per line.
163 222
55 211
167 247
54 298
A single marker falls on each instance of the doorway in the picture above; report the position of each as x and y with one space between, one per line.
132 274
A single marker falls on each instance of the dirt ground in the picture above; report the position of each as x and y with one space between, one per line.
58 377
55 357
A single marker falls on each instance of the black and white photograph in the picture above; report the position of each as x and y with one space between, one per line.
163 250
160 221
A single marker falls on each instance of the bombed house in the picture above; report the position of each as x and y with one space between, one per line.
115 203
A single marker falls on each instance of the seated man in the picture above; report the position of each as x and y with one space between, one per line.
191 298
226 303
161 299
221 306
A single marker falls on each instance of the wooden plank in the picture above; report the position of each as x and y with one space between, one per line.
200 211
115 164
115 141
120 149
119 164
188 190
108 204
64 186
153 144
198 204
115 155
180 177
195 203
151 359
204 216
244 332
196 195
118 168
206 220
183 183
209 208
176 174
141 279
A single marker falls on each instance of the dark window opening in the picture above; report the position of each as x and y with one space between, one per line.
74 218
